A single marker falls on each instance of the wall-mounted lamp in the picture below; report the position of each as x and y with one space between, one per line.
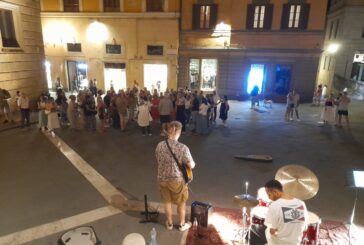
333 48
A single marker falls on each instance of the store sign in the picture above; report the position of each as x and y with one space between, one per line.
154 50
74 47
113 49
359 57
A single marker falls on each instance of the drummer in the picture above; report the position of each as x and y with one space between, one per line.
286 217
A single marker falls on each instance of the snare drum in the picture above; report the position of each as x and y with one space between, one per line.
258 215
310 235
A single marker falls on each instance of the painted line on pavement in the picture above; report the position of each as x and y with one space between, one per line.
106 189
48 229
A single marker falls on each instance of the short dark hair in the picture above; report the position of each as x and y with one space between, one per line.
274 184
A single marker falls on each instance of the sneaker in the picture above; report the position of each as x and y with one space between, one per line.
143 134
150 134
184 227
298 120
169 226
162 134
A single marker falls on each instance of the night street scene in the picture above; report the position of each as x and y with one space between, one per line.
182 122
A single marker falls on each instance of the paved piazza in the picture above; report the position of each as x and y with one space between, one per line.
49 185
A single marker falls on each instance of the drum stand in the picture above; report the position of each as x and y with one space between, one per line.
244 232
351 224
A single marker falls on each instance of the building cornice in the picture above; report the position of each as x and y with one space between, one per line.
111 15
237 31
248 50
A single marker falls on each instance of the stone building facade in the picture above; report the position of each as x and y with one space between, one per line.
21 48
232 45
342 62
115 42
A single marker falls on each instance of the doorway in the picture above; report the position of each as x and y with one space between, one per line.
256 77
156 77
115 76
77 75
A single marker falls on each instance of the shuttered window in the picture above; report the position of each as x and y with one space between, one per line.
8 35
155 5
111 5
204 16
259 16
295 16
71 6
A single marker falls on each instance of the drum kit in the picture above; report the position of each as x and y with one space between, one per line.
298 182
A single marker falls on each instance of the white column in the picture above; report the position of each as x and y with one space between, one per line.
165 7
80 5
61 5
121 5
144 6
101 5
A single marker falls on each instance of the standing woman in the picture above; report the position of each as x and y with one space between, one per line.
201 126
42 117
101 110
180 113
72 112
155 105
51 111
143 116
224 108
328 111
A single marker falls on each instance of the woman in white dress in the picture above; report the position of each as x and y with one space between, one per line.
42 117
72 112
51 111
328 114
144 117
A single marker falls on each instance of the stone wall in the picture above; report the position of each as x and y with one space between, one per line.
23 68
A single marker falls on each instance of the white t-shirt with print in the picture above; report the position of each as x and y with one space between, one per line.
289 217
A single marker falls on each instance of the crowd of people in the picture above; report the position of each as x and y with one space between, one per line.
334 109
196 111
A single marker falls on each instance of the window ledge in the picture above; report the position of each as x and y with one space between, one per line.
11 50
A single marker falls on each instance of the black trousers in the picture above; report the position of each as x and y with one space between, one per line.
25 115
215 113
257 235
146 130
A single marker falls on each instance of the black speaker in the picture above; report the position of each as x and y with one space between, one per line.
201 211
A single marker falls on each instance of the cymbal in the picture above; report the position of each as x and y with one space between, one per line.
246 200
298 181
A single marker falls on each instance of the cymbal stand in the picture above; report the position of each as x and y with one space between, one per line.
245 230
351 224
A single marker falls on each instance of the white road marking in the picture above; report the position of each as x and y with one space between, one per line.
106 189
58 226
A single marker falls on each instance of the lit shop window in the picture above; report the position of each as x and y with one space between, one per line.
259 16
202 74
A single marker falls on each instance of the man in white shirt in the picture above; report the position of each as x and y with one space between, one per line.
216 99
286 217
24 109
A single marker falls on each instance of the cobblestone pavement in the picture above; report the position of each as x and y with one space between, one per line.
36 177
